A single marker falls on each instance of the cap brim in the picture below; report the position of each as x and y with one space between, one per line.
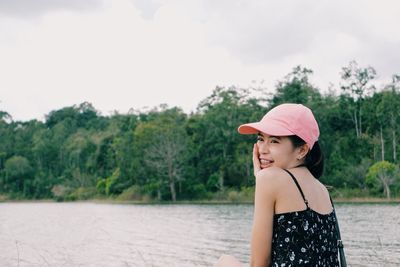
248 128
268 128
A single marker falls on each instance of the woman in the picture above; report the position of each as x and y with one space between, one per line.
294 220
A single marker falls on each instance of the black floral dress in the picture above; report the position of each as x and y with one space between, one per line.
304 238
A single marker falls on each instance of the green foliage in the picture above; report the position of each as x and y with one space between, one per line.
152 190
165 154
18 175
61 192
245 194
112 185
82 193
350 193
381 168
131 193
296 88
198 191
101 186
162 143
213 182
382 176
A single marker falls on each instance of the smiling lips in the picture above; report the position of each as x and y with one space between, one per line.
266 163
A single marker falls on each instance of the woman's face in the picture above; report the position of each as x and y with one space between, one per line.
277 151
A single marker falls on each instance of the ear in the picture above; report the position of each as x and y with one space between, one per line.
302 151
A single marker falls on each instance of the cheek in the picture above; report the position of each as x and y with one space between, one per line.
280 153
260 146
276 150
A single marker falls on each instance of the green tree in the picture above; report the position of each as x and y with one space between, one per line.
6 140
216 138
295 88
45 160
387 113
163 148
18 175
356 84
382 175
123 145
79 151
172 155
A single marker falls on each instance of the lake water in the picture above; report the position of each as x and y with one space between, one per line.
89 234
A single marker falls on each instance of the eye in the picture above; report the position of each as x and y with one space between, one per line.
273 140
259 138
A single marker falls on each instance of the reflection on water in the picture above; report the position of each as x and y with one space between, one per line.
87 234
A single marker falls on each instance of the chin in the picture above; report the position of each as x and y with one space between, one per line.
266 166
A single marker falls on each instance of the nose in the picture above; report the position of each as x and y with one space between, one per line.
263 148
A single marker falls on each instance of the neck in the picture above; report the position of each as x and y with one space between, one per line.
300 165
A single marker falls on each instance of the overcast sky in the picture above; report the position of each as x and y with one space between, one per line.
122 54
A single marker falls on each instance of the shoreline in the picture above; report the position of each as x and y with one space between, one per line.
366 200
352 200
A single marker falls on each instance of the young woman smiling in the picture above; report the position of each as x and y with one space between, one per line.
294 219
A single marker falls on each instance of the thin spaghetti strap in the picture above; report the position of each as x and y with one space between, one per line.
333 206
298 186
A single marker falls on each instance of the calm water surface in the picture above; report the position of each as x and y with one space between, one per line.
88 234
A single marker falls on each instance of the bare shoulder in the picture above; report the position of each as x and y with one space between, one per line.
271 173
324 188
270 178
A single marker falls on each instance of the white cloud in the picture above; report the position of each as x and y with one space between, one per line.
28 9
114 59
126 54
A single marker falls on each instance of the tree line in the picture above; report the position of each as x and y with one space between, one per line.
166 154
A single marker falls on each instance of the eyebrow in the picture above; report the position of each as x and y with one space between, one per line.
271 136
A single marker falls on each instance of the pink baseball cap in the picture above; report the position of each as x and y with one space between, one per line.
284 120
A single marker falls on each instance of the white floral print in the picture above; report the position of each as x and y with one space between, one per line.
304 238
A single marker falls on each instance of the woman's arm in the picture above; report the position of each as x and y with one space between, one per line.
228 261
264 202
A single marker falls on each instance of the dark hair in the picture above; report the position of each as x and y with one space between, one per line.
314 159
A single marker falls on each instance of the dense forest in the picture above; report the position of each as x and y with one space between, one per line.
165 154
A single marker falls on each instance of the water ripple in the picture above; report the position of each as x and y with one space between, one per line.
87 234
